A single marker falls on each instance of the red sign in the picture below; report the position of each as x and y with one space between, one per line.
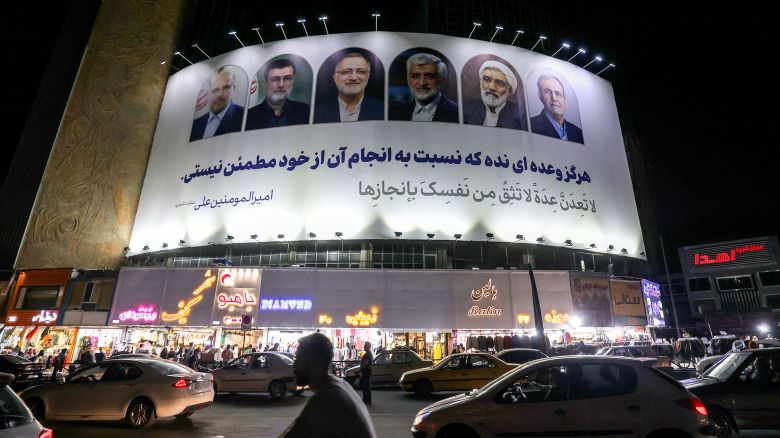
726 256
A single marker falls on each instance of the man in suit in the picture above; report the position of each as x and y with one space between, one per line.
352 103
424 74
277 109
497 83
551 121
224 116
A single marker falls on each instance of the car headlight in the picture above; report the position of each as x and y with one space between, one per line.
420 418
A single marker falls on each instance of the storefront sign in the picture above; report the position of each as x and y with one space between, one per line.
143 313
523 318
627 304
244 298
363 319
488 291
300 305
591 299
556 318
186 307
231 320
653 305
743 253
45 317
325 320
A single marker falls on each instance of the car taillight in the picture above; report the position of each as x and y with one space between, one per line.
211 378
46 433
693 404
181 383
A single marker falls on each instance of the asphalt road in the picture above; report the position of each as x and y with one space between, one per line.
250 415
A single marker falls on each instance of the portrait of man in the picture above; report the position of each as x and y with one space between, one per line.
497 83
278 108
426 75
224 116
551 121
351 102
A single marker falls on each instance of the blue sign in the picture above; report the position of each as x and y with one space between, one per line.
286 304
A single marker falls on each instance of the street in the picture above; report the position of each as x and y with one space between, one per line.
251 415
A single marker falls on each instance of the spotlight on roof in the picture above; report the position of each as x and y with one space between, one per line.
592 245
339 234
642 254
236 36
229 238
458 236
164 245
568 242
540 239
489 236
253 237
624 251
398 234
146 248
520 237
312 235
518 32
476 25
611 248
430 235
280 236
324 20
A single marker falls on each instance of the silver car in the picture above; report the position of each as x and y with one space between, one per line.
16 420
137 390
269 372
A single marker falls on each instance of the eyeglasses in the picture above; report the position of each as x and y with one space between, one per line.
277 79
499 83
427 76
350 71
225 89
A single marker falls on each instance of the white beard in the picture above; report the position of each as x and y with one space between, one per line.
492 101
423 95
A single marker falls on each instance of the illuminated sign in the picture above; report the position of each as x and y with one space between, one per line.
653 304
363 319
275 304
556 318
751 253
325 319
523 318
142 313
185 308
247 298
488 291
45 317
12 318
227 280
231 320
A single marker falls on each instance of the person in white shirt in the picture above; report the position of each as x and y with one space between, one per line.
335 409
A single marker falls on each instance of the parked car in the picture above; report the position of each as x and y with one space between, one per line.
137 390
519 356
742 390
25 372
646 351
456 372
570 396
388 367
704 364
16 420
268 371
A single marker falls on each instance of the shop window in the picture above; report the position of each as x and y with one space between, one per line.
703 306
91 296
38 298
384 359
769 278
773 301
699 284
602 380
544 385
735 283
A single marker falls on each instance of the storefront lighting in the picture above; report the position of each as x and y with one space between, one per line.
763 328
476 25
556 318
523 318
235 35
363 319
257 30
575 321
281 27
325 319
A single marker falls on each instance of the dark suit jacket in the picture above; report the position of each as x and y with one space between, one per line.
446 111
509 117
230 123
370 109
540 124
262 116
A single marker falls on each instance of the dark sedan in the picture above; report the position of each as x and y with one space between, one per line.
25 372
742 391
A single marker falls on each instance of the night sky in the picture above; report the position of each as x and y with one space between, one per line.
693 81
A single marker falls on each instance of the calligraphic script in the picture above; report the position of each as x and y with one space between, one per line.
488 291
556 318
141 313
363 319
185 307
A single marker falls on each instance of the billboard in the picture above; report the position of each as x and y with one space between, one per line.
653 304
373 133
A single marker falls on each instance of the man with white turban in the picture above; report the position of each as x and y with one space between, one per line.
497 83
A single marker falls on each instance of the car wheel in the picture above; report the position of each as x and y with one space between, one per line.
722 422
457 431
277 389
140 414
184 415
423 388
36 407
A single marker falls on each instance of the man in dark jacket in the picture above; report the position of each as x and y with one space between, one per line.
425 74
365 373
352 104
551 121
224 116
277 109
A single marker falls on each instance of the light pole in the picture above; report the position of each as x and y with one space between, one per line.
563 46
236 36
281 26
476 25
257 29
324 20
376 21
517 34
580 50
498 29
303 23
541 38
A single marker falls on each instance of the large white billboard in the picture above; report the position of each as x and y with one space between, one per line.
369 134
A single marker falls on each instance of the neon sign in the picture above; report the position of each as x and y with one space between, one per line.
488 291
231 320
244 298
730 254
142 313
556 318
363 319
653 304
45 317
302 305
325 319
523 318
185 308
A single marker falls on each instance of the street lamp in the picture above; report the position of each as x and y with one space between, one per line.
580 50
236 36
476 25
563 46
498 29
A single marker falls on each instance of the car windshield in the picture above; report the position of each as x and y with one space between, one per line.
286 359
15 359
12 411
500 381
724 368
168 368
602 351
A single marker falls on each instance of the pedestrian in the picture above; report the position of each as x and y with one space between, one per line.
194 358
227 355
275 347
188 353
334 410
100 356
87 357
164 352
365 373
751 343
59 363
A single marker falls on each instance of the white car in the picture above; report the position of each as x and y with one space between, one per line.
16 420
137 390
570 396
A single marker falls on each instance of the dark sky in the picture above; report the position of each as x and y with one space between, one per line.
692 80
